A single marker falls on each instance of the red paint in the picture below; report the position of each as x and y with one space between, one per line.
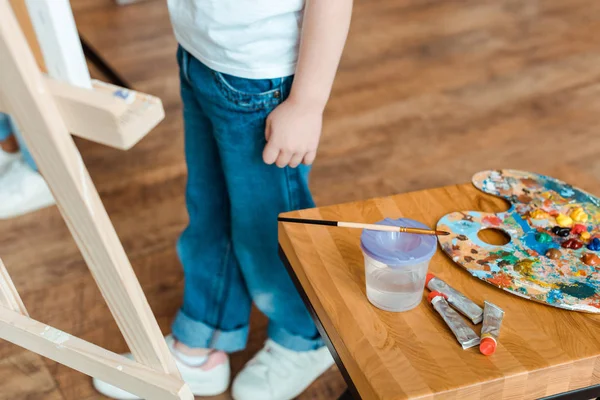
487 346
578 228
492 220
553 213
572 244
501 280
429 277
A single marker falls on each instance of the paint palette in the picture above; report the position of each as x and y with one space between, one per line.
535 264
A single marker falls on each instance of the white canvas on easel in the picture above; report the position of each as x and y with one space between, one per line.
25 94
56 33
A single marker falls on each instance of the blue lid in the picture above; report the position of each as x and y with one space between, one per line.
398 249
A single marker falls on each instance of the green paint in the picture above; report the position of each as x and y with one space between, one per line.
543 237
578 290
506 256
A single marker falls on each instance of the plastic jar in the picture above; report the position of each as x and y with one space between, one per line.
396 265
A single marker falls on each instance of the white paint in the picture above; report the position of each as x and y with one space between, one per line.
56 336
120 368
517 293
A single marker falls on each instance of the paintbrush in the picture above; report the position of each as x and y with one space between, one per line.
358 225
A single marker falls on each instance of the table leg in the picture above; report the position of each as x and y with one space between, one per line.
346 395
592 392
351 392
95 58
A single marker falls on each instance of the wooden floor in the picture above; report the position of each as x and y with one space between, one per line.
428 93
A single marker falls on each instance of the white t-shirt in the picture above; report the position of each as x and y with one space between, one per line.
256 39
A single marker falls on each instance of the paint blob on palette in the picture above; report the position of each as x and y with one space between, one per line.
553 256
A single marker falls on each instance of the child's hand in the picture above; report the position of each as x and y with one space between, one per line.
293 132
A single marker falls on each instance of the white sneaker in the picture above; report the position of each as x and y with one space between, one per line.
209 379
22 190
277 373
7 158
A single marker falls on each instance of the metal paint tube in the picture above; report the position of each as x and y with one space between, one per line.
492 319
464 334
456 299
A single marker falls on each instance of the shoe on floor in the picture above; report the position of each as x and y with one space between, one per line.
209 379
6 158
22 190
277 373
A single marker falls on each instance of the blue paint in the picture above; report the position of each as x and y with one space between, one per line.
554 296
578 289
481 274
594 245
522 223
531 242
121 93
529 237
494 267
569 192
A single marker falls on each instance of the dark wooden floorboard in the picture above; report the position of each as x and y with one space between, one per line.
428 93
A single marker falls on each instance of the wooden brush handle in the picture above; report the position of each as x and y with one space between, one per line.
358 225
372 227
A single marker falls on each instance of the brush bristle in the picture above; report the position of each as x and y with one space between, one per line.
442 233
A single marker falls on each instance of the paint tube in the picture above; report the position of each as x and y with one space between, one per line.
456 299
464 334
492 319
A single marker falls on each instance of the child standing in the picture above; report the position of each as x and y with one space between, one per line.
255 79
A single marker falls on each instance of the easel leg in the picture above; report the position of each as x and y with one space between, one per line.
25 94
9 297
89 358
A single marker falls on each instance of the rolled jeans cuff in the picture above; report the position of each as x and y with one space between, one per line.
197 334
293 342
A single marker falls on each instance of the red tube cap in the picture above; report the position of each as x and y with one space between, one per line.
435 294
429 277
487 346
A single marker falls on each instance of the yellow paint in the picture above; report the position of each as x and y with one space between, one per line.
564 221
539 282
539 214
524 267
578 215
585 235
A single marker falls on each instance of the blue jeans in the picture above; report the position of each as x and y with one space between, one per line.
7 128
229 249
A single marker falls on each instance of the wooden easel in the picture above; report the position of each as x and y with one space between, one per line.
46 111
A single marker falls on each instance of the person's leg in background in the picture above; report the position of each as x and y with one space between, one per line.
22 187
9 149
294 355
27 157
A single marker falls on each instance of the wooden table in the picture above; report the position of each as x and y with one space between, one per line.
543 351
